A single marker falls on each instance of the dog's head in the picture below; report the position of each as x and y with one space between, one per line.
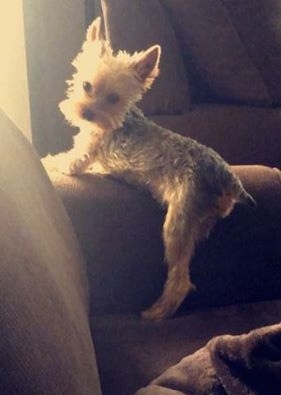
105 85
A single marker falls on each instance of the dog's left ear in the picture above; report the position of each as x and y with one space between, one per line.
94 31
147 65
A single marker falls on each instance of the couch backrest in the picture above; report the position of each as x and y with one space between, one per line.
231 50
136 25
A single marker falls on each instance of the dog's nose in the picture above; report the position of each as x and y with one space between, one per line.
88 114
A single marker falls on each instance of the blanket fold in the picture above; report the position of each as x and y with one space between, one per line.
248 364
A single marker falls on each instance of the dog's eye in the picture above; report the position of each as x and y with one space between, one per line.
112 98
87 86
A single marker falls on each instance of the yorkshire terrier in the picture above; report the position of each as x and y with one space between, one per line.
191 180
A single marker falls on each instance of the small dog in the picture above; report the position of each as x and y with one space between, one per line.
192 181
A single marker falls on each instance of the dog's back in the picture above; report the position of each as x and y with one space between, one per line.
156 158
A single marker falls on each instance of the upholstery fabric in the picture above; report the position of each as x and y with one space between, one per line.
214 51
119 228
258 24
45 342
247 364
241 134
146 25
148 349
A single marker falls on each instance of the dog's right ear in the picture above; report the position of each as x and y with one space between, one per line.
94 31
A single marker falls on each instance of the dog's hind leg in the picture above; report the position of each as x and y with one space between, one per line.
180 236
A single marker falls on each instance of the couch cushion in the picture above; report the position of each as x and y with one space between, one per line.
136 25
218 55
132 352
258 24
45 341
241 134
119 228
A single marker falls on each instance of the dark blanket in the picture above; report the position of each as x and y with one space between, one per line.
228 365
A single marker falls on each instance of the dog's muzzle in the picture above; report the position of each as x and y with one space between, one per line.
88 115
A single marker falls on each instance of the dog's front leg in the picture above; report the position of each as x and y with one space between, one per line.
180 236
79 158
69 163
83 155
80 164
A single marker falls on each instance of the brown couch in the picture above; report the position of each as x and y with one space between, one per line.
49 323
219 83
56 307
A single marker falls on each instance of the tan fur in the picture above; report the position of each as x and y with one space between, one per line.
192 181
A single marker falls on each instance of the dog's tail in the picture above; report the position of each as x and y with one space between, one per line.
247 199
242 196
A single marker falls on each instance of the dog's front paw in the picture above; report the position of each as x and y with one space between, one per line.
58 163
74 168
78 165
66 164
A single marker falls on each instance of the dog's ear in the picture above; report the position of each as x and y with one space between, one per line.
94 31
146 65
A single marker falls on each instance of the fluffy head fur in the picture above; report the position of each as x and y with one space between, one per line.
104 85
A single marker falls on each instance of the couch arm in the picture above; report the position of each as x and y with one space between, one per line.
119 228
45 340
